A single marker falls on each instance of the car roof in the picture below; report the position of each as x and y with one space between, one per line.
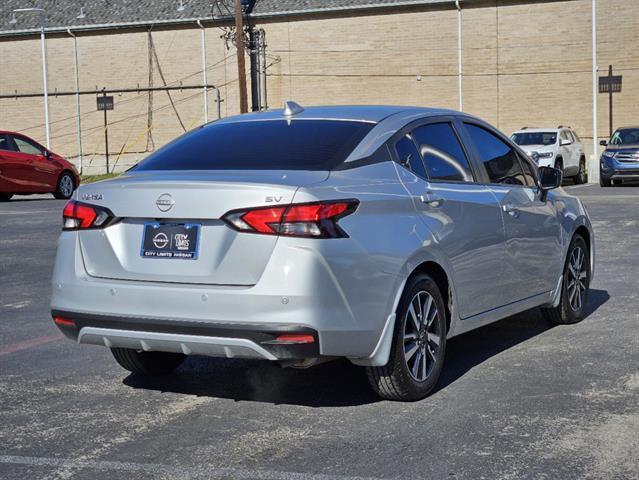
361 113
537 129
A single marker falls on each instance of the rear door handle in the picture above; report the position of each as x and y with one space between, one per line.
510 209
430 200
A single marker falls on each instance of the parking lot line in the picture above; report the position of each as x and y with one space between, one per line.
26 344
173 472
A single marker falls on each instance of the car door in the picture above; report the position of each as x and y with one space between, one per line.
41 173
463 216
568 151
533 238
14 175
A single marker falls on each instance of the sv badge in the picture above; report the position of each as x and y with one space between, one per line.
273 198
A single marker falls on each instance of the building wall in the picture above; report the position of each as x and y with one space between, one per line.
524 63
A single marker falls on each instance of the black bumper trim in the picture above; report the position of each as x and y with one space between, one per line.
260 334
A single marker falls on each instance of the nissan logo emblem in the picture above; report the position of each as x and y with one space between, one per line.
165 202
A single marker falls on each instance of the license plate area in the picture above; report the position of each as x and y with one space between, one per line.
170 240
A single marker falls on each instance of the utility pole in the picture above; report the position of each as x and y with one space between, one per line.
239 45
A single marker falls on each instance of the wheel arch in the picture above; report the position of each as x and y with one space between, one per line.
438 273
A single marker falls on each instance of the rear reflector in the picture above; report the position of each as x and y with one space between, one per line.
313 220
294 338
64 322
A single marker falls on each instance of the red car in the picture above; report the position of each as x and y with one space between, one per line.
27 167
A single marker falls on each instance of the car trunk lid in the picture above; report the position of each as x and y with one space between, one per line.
224 256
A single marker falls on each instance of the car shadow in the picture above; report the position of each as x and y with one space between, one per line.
473 348
338 383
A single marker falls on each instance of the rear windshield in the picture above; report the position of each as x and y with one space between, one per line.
261 145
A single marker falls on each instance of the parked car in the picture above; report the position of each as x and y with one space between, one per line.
299 235
26 167
620 159
555 147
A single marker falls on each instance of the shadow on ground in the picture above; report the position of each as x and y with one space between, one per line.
338 383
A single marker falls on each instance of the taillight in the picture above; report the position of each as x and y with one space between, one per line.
314 220
80 216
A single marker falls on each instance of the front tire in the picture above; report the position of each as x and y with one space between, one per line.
604 182
147 363
419 344
581 176
559 164
574 286
5 197
64 188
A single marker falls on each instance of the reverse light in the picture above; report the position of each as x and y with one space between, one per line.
80 216
312 220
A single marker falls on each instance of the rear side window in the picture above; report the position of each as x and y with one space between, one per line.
443 156
409 156
497 156
261 145
6 143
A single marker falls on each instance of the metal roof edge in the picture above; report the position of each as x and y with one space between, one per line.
220 19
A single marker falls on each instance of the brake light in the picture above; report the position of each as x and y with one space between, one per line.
80 216
314 220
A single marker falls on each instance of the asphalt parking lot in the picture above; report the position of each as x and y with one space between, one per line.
518 399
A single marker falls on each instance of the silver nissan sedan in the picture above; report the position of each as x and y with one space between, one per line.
300 235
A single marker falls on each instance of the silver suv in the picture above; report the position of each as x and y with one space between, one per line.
558 147
301 235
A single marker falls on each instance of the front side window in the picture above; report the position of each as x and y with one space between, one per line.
261 145
499 159
443 155
409 156
529 175
26 146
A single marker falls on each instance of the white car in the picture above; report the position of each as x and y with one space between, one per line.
558 147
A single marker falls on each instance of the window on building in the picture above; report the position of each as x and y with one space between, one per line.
443 155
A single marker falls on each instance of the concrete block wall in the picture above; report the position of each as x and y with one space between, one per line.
524 63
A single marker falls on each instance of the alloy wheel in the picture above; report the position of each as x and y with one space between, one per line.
577 278
66 185
421 336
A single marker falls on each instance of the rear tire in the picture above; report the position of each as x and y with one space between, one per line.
419 344
574 286
581 176
65 187
5 197
147 363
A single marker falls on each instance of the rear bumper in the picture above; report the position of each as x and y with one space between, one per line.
340 303
190 338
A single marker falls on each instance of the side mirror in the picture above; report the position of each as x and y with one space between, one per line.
564 142
603 143
550 178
